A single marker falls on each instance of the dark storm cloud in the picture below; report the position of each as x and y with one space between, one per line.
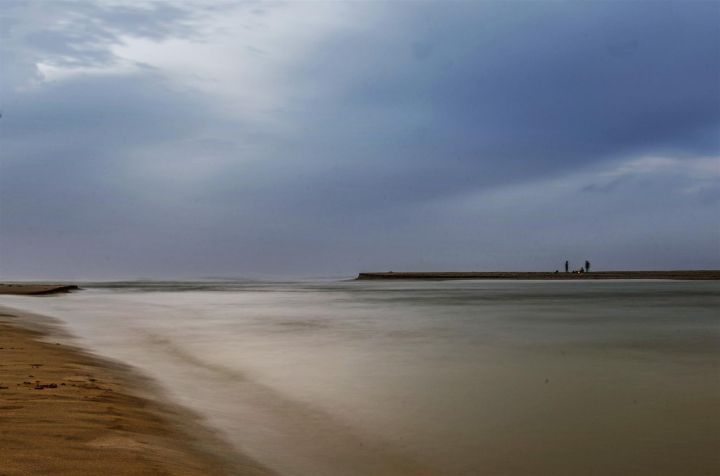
423 135
502 94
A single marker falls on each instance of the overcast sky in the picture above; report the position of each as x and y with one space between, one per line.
196 139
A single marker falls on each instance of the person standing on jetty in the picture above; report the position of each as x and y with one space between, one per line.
567 265
587 266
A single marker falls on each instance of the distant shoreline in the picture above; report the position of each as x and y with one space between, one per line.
705 274
35 289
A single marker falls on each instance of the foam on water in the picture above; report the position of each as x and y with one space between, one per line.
458 378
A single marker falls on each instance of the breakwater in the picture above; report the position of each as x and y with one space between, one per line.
32 288
712 274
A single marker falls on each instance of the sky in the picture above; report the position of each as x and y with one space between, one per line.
144 139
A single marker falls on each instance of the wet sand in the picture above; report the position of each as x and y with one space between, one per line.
63 411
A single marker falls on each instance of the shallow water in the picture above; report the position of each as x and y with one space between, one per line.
410 378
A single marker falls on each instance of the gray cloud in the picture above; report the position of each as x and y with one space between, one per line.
68 33
423 136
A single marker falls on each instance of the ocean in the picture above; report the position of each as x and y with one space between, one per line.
451 378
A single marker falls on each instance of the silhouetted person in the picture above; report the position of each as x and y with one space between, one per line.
587 266
567 266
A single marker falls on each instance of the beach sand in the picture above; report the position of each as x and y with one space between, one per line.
63 411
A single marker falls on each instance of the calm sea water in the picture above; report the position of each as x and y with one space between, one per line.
437 378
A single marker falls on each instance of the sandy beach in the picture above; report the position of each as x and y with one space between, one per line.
63 411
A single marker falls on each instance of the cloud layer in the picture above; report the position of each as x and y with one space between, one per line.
196 139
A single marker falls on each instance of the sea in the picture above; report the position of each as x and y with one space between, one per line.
372 378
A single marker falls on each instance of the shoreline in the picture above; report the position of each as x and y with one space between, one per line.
66 411
36 289
710 274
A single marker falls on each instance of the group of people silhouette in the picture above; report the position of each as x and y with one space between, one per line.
581 269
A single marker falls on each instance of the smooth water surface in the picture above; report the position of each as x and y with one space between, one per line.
438 378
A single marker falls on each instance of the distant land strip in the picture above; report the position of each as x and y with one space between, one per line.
703 274
31 288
